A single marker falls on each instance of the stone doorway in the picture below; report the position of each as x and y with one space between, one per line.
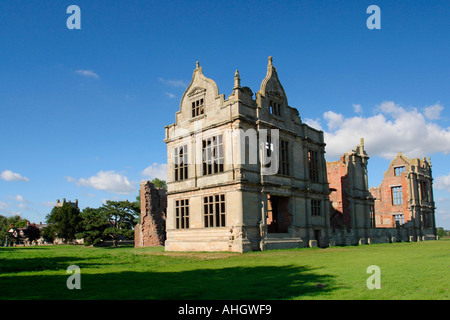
317 236
278 217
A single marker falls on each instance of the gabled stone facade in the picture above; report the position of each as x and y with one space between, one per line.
245 173
232 184
404 198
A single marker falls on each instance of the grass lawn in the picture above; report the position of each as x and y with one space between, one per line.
419 270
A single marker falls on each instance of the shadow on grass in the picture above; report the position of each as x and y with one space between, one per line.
41 264
269 282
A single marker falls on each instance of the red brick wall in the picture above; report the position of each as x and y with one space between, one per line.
384 207
337 179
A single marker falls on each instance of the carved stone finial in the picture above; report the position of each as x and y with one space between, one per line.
237 80
197 64
270 60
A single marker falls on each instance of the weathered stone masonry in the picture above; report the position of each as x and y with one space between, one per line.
216 202
151 230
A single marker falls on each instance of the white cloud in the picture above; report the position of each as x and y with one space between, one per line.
156 170
391 130
3 205
87 73
18 197
170 95
334 120
109 181
315 123
49 204
173 83
5 209
8 175
433 112
357 108
442 183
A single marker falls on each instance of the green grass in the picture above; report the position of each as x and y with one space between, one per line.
408 271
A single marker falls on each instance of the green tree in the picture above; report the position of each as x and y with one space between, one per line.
32 232
64 222
5 225
137 209
93 224
122 219
160 184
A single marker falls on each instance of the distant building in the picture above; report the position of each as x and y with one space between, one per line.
405 196
61 203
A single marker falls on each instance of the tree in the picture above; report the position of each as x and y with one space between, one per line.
441 232
32 232
122 219
5 225
93 224
160 184
137 209
64 222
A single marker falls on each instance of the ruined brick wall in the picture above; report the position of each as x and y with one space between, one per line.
337 173
151 231
385 209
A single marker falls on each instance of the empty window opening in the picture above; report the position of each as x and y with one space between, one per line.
284 158
313 164
275 108
315 207
397 196
278 216
212 152
181 163
399 219
182 214
214 211
198 108
399 170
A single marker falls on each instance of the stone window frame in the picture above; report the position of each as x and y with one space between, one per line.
398 170
398 217
316 207
214 210
284 158
397 195
424 191
182 214
197 99
197 108
313 169
275 107
181 169
213 155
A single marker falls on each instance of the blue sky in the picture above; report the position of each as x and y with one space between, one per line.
82 112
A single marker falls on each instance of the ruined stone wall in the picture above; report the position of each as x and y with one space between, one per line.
384 206
152 229
337 178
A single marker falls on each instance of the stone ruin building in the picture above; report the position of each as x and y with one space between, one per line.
245 173
352 205
151 229
405 196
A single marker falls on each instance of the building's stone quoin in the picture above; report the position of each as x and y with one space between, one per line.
225 194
